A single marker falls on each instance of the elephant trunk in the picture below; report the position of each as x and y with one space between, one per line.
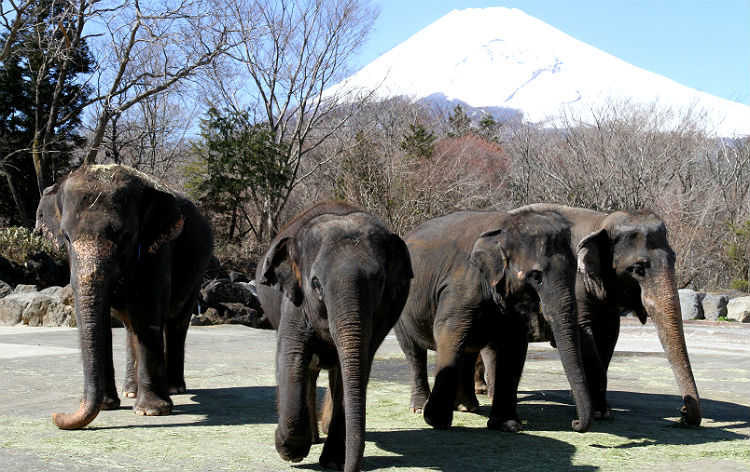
352 331
90 279
564 328
662 303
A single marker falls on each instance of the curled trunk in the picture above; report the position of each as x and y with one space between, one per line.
93 319
662 303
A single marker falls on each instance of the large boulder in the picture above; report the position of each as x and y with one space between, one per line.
715 305
691 304
738 309
50 307
5 289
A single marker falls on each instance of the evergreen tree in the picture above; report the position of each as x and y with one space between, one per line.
239 166
488 128
419 142
40 107
459 123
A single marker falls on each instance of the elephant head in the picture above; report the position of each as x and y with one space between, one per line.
345 280
527 262
629 262
111 220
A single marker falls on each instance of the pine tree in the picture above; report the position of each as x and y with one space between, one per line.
419 142
459 123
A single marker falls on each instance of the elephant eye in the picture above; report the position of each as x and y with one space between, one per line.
317 287
535 277
639 268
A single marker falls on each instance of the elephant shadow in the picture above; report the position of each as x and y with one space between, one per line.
643 418
226 406
467 450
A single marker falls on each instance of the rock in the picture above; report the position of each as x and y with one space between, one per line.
22 288
240 314
691 304
5 289
12 307
738 309
46 271
237 277
715 305
225 291
50 307
210 317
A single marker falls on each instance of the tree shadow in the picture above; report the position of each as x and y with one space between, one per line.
644 418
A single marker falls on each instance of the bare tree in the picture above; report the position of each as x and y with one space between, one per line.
13 21
287 53
145 48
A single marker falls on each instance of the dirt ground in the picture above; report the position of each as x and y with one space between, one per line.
226 419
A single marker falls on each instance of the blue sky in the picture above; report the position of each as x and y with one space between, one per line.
704 44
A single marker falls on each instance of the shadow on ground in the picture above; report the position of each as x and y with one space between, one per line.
229 406
644 418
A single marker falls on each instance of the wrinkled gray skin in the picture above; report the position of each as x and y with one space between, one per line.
332 284
625 262
476 276
137 250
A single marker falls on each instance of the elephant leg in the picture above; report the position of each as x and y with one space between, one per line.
416 357
480 384
511 347
606 330
293 435
175 332
153 396
334 449
466 398
111 400
312 403
450 339
130 388
488 360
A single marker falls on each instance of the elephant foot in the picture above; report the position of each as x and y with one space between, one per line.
603 413
417 402
332 458
480 387
438 418
177 389
152 405
467 404
290 449
130 389
111 402
508 426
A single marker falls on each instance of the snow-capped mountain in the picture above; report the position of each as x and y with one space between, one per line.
500 57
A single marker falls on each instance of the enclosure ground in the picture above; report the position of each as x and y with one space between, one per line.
226 419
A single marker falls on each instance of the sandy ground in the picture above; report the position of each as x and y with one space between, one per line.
226 419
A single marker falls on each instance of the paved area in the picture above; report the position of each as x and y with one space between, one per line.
227 418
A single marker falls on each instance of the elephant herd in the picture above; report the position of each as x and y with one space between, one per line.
336 280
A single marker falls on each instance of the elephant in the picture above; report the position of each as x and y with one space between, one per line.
332 283
476 275
137 250
625 262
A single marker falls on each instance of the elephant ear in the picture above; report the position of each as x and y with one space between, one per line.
489 256
593 254
399 266
279 267
48 217
161 221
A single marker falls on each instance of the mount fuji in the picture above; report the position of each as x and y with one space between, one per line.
503 58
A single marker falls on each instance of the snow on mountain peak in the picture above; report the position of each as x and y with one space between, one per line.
502 57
